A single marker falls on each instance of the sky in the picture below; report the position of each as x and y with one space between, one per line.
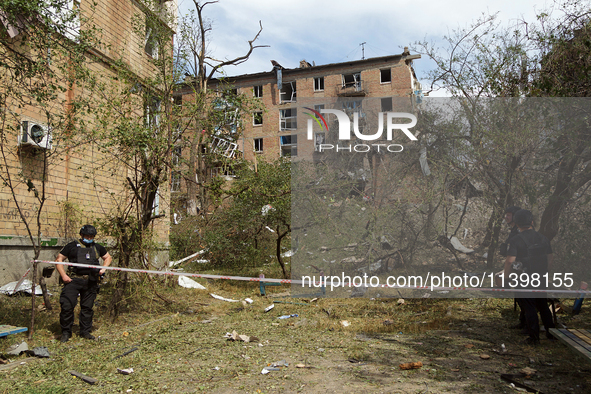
331 31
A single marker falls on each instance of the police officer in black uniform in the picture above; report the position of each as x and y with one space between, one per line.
80 280
508 216
530 252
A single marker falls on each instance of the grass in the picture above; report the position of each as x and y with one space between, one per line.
182 349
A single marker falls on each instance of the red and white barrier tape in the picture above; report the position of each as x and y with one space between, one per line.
300 282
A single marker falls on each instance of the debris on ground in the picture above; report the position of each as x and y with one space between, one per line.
288 316
126 353
41 352
484 356
17 349
127 371
85 378
267 309
26 286
217 297
414 365
189 283
275 366
528 372
345 323
234 336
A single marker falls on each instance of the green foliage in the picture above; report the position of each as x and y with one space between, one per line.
238 233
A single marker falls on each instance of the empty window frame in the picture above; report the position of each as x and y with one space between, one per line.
257 118
175 181
352 106
258 91
318 84
153 112
352 80
258 144
288 119
386 104
289 145
287 93
386 75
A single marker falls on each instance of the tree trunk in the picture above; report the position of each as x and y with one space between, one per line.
33 297
281 263
46 300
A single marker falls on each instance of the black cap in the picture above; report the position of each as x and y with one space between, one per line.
523 218
88 229
512 210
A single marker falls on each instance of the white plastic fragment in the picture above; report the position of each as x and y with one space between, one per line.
217 297
25 286
250 301
189 283
459 247
127 371
267 309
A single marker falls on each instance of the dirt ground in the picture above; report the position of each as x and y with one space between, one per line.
464 346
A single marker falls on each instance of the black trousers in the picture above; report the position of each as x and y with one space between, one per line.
69 299
531 307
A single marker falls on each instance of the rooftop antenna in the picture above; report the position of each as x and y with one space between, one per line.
363 50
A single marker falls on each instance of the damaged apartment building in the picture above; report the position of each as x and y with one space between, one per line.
288 95
80 185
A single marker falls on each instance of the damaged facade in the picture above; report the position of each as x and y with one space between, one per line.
78 189
281 128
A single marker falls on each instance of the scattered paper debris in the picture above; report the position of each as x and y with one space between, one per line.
345 323
127 371
234 336
415 365
250 301
401 301
189 283
217 297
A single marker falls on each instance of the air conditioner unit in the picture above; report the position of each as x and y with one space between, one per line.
34 134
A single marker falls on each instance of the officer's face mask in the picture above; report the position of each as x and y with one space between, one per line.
87 241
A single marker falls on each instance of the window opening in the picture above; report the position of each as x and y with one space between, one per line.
387 104
352 81
258 91
318 84
289 145
257 118
258 144
288 92
386 75
288 119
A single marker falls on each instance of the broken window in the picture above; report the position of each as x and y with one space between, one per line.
318 84
386 104
153 112
386 75
288 92
151 41
319 139
288 119
223 147
175 181
352 81
175 159
289 145
226 119
258 144
257 118
258 91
